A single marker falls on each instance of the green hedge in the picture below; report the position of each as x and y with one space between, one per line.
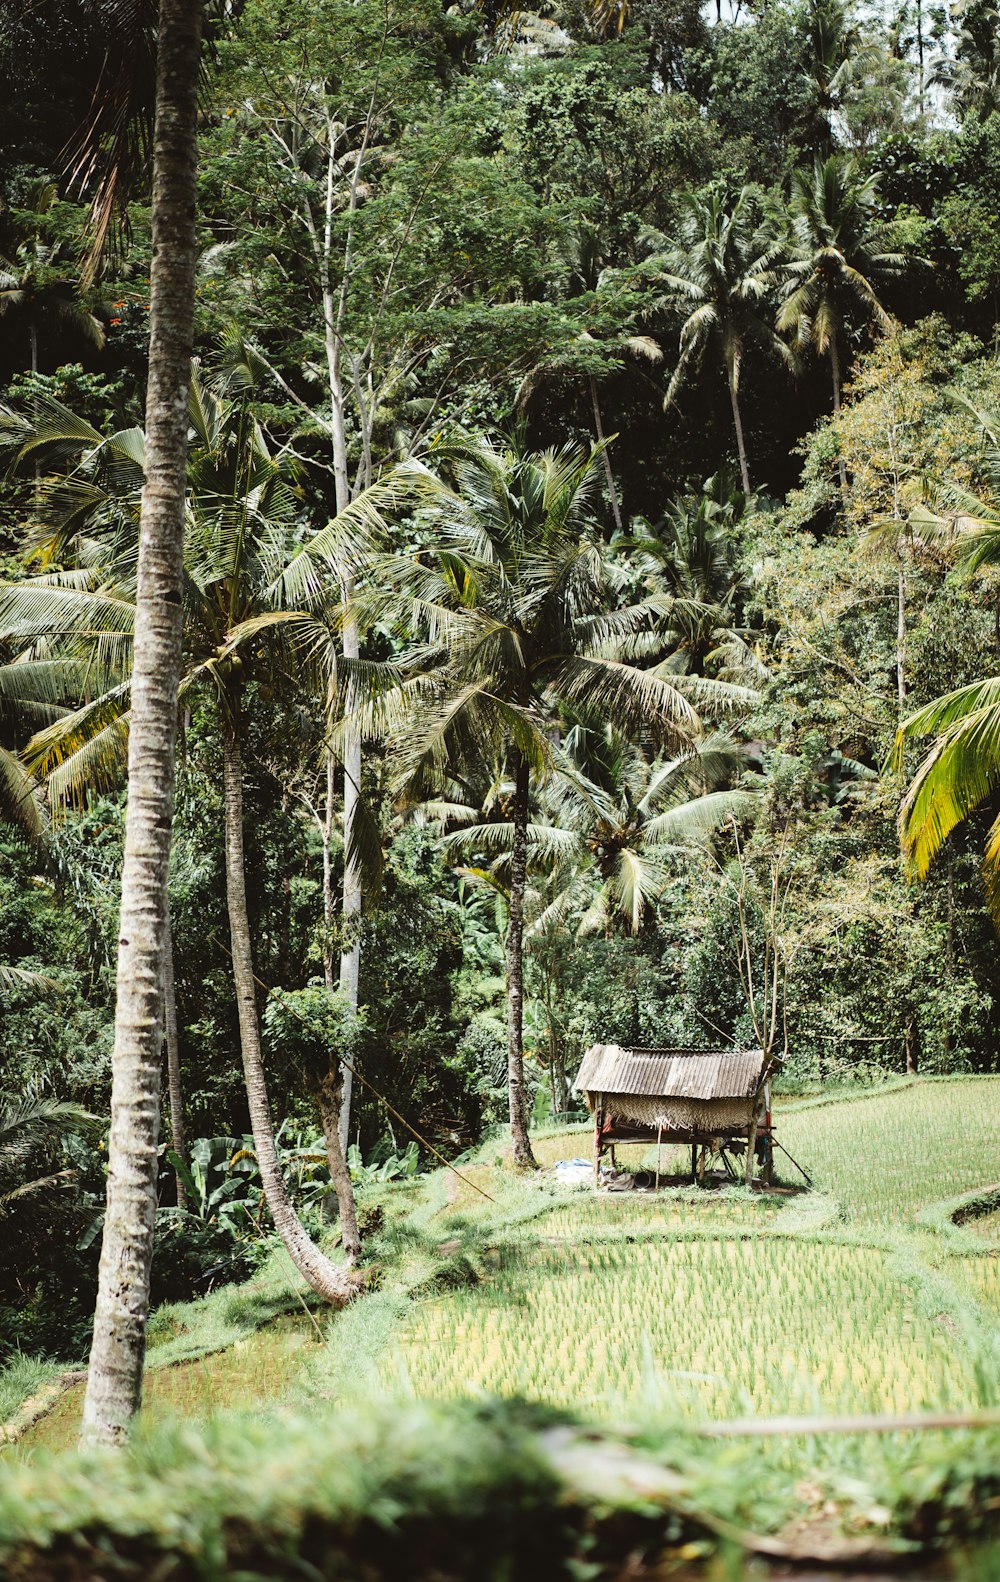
412 1492
498 1492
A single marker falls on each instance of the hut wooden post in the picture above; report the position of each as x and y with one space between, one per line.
694 1162
752 1143
598 1117
659 1143
767 1174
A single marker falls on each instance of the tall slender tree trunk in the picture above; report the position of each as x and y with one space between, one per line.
911 1047
608 472
892 431
117 1355
334 1285
33 344
330 1091
738 425
901 637
523 1157
835 372
350 958
175 1092
329 1100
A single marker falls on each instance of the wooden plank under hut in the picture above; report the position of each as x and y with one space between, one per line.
718 1103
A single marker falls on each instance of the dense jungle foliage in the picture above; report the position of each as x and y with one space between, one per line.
731 277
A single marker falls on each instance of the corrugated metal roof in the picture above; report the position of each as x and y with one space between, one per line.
671 1073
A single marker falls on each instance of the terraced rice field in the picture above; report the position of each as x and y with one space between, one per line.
630 1212
982 1280
699 1303
261 1367
885 1157
712 1327
689 1302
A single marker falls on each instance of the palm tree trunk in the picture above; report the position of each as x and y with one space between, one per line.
835 371
910 1046
117 1355
33 343
524 1159
174 1091
608 473
333 1284
740 446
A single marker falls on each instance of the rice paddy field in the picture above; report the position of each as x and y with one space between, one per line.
701 1328
255 1368
886 1156
981 1277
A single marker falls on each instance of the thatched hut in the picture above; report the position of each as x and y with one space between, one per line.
716 1101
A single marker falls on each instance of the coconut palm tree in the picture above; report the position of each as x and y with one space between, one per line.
722 270
606 831
834 52
962 768
514 596
842 260
972 72
611 822
144 101
247 579
36 289
687 565
114 1379
31 1122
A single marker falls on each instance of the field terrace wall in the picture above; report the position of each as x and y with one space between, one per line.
701 1097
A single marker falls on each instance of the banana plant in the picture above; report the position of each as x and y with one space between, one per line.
219 1171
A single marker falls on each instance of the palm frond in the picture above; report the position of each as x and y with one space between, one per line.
114 144
958 774
19 798
12 978
85 749
625 694
691 822
363 849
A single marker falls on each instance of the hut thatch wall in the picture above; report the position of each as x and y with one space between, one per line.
682 1091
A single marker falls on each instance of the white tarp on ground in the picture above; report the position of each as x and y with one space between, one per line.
574 1172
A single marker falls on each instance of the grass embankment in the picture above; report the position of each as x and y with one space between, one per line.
666 1312
199 1359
